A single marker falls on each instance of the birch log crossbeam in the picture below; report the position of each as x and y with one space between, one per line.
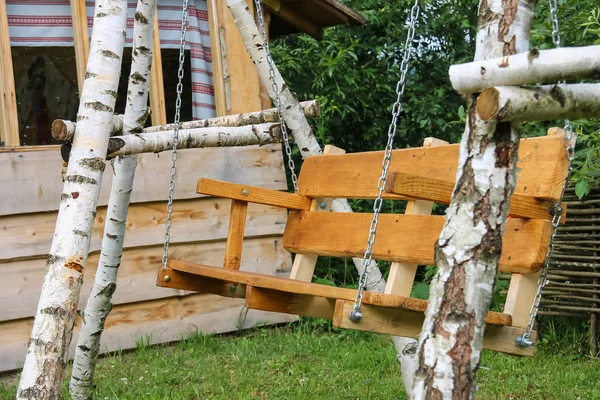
532 67
64 130
544 103
194 138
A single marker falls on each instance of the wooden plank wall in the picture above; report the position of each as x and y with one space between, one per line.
27 222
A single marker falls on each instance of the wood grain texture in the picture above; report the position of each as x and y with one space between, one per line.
20 289
159 321
35 180
235 236
542 164
296 288
406 238
289 303
81 39
406 323
9 123
440 191
520 297
194 220
252 194
216 26
157 88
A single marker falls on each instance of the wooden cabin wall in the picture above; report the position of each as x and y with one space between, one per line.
32 186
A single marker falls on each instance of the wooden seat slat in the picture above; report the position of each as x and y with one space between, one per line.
440 191
407 238
542 166
218 280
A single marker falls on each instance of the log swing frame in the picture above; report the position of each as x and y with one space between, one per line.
421 176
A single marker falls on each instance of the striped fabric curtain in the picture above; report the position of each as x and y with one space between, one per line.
37 23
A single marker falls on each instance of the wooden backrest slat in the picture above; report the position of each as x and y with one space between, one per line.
542 167
407 238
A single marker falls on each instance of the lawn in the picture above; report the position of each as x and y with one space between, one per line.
307 362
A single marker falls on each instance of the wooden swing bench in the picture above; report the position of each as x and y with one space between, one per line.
420 175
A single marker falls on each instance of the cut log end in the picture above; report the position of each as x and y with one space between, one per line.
59 130
488 104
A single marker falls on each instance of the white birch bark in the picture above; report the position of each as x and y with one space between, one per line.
470 244
156 142
292 114
64 130
531 67
48 347
99 302
545 103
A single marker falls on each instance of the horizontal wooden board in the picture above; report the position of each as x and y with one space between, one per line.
440 191
22 281
407 238
194 220
406 323
34 177
542 164
253 194
157 321
298 288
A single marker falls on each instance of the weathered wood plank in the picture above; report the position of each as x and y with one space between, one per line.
35 180
295 288
289 303
427 187
81 39
159 321
194 220
407 238
407 323
9 123
252 194
22 281
542 169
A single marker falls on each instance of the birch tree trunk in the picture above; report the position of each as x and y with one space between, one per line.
470 244
309 146
48 347
99 302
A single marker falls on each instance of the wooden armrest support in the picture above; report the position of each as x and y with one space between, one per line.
252 194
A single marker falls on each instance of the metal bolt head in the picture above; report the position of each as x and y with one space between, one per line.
245 192
232 288
355 315
557 209
323 205
523 342
167 278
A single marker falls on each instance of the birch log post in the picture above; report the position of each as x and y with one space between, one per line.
99 302
529 67
309 146
545 103
470 243
48 347
156 142
64 130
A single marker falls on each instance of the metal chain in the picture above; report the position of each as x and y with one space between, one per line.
275 88
524 340
355 314
180 73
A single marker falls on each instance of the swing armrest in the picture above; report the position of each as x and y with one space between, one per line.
253 194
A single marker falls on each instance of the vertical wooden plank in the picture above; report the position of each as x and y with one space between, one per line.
402 275
521 293
265 100
243 80
9 123
304 264
81 39
217 40
157 88
235 236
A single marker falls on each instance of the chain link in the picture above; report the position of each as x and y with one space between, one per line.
355 314
524 340
275 88
180 73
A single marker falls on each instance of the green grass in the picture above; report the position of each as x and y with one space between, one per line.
310 363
